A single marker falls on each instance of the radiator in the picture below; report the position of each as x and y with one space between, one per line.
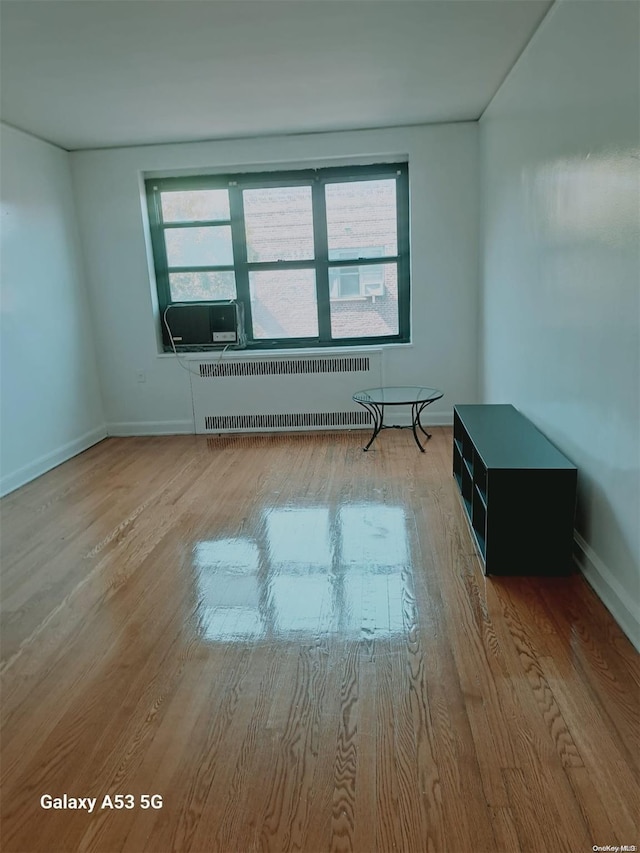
273 393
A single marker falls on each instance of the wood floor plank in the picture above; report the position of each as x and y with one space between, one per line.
580 616
366 801
229 802
603 753
292 643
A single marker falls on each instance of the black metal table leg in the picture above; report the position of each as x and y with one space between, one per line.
415 421
416 411
420 408
376 410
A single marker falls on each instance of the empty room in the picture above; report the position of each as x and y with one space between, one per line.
320 426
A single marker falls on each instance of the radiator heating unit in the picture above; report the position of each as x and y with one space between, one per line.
273 393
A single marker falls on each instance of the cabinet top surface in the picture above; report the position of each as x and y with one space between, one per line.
505 438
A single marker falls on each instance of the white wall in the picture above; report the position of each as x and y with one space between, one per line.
560 159
444 233
51 406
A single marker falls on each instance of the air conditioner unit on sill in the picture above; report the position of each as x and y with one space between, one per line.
193 325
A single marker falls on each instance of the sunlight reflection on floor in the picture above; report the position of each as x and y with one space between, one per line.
311 569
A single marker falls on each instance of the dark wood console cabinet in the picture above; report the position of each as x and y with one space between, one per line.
518 491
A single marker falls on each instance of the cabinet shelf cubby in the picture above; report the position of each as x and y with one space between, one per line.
482 496
518 491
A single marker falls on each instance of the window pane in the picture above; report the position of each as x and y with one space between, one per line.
199 247
283 304
279 224
360 281
344 282
367 308
195 205
361 219
190 286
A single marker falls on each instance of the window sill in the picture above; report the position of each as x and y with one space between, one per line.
289 352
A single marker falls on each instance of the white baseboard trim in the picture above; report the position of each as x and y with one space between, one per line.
134 428
436 419
150 428
11 482
625 612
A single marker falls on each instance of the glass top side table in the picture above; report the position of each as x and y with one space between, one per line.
374 401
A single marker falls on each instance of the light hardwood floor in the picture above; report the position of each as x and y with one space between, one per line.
291 642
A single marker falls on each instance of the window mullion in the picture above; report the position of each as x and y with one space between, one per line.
321 245
238 239
197 223
365 262
205 268
403 268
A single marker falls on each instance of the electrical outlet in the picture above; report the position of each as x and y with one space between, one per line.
224 337
141 376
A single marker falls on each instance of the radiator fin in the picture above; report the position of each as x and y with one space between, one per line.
284 421
285 366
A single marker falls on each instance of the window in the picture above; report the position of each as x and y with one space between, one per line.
357 282
317 257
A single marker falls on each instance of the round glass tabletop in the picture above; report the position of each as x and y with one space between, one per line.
398 395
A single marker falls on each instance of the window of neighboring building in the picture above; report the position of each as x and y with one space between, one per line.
317 257
357 282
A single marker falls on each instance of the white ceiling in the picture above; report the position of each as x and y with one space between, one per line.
101 73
